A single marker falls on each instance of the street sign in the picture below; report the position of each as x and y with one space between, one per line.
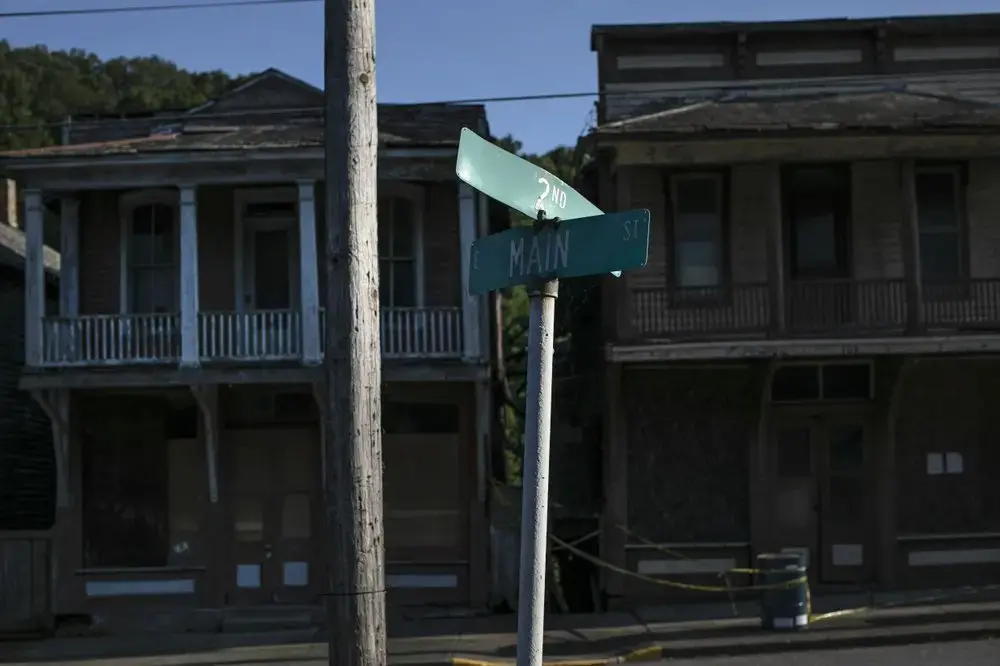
518 183
584 246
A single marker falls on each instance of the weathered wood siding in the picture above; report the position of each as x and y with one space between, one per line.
682 62
27 462
27 476
875 230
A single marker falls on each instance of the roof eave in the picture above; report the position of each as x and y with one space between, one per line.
200 156
795 133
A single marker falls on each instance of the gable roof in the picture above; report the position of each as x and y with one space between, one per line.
240 97
271 111
884 111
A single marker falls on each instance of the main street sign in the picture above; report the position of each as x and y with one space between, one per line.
574 248
518 183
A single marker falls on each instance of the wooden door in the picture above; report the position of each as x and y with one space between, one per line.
251 488
297 497
275 492
844 506
794 490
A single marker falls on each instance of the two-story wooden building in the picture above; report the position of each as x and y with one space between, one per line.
809 360
182 368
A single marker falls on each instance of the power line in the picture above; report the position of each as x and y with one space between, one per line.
133 9
731 90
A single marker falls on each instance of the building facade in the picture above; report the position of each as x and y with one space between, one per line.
182 369
809 359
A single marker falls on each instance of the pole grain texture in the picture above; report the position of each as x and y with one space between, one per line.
355 555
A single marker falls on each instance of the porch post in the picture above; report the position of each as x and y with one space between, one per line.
312 346
190 355
775 250
34 277
69 258
910 235
467 222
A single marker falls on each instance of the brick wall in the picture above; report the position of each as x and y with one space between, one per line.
100 248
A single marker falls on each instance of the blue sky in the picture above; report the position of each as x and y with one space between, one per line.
427 50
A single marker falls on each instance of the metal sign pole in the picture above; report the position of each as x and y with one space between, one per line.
535 475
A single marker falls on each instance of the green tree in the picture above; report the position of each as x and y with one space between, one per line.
39 88
567 164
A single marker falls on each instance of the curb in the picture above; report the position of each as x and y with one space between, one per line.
777 643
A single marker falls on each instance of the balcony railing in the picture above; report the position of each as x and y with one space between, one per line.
828 308
122 339
241 337
261 335
429 332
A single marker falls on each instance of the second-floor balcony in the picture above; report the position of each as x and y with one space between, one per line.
237 337
830 308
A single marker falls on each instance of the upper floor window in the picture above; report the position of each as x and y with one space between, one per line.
397 252
152 257
818 203
939 193
697 229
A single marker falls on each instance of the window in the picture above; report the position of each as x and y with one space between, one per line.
152 258
697 207
828 381
397 252
817 201
939 221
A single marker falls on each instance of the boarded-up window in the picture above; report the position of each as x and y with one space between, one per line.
125 484
419 418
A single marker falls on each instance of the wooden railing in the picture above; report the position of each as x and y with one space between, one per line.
427 332
121 339
258 336
827 308
261 335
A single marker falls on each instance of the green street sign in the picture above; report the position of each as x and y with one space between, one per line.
584 246
518 183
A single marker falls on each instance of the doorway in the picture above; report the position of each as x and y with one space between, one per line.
273 496
271 286
820 494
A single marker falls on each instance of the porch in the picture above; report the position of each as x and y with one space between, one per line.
262 336
828 308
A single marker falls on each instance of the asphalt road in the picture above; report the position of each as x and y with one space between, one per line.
962 653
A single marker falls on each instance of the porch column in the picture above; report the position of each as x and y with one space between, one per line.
69 262
467 222
34 277
774 219
312 345
910 237
190 355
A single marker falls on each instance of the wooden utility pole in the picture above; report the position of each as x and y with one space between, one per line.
353 494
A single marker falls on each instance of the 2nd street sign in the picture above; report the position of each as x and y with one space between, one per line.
517 182
584 246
